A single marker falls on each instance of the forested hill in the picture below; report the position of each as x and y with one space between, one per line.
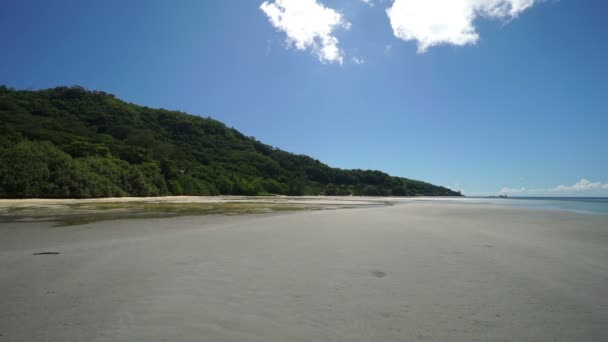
70 142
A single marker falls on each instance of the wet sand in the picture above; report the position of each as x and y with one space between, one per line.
67 212
417 271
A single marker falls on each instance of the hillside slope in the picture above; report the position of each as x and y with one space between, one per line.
70 142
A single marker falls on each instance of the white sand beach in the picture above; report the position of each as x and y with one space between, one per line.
413 271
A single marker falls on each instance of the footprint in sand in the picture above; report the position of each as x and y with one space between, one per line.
378 274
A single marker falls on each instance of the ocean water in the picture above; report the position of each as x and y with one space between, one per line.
583 205
586 205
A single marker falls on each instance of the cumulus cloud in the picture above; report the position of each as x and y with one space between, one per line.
435 22
582 187
308 25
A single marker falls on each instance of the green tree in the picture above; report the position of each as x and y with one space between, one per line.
331 190
70 142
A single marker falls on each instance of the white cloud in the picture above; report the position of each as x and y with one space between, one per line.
582 187
370 3
507 190
388 49
435 22
358 60
308 25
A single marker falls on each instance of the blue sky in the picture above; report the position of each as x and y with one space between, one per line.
477 97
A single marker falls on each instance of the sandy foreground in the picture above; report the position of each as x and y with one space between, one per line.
415 271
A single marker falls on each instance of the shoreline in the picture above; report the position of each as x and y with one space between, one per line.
192 199
571 205
69 212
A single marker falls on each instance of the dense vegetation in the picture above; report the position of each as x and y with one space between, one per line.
70 142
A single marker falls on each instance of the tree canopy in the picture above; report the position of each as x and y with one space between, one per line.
71 142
